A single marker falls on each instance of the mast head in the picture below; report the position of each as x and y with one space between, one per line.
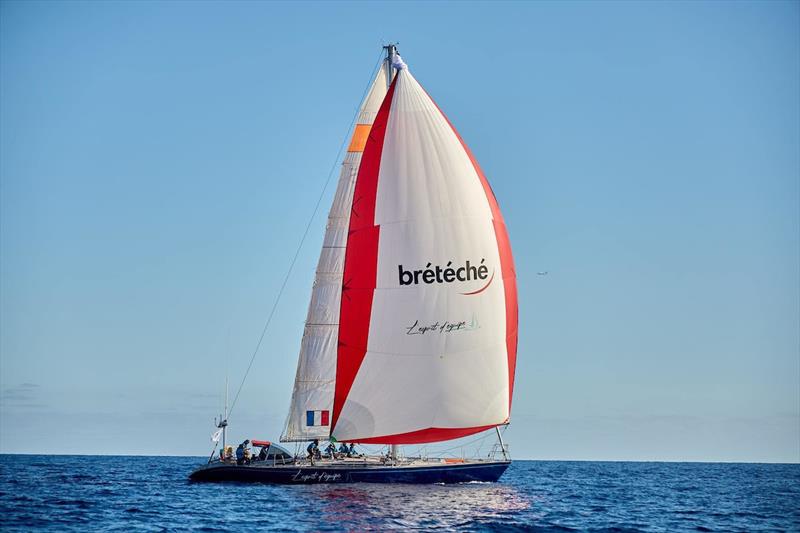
393 59
391 49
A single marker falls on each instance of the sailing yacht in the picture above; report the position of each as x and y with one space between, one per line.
411 332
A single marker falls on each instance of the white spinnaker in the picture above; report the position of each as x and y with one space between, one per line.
316 366
432 210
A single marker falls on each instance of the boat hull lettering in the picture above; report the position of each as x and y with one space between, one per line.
292 474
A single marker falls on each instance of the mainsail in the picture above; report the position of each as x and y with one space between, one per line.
412 329
312 397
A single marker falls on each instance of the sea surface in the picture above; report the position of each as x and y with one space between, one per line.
86 493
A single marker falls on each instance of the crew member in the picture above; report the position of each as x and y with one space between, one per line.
312 450
247 455
330 450
240 454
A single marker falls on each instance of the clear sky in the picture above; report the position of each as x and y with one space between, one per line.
159 162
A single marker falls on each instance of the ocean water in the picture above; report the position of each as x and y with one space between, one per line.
83 493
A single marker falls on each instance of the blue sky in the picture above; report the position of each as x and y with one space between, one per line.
159 162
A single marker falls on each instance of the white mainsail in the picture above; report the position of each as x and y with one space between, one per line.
312 397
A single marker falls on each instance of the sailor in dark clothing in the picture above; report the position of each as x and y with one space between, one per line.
330 450
262 455
344 450
351 452
313 450
243 453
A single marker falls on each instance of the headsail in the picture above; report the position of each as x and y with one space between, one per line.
428 336
312 397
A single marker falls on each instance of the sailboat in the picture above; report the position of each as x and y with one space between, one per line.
411 332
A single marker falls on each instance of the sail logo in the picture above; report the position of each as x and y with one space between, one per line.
447 274
442 327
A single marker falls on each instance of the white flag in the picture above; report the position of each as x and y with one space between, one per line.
215 437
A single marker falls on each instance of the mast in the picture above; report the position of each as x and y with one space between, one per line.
391 50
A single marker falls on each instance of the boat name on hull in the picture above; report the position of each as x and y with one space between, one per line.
322 477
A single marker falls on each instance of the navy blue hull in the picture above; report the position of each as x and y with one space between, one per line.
306 474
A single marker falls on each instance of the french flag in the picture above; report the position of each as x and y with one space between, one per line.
317 418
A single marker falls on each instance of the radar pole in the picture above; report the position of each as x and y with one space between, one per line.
224 422
223 419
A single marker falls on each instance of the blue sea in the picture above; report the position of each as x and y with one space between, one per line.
83 493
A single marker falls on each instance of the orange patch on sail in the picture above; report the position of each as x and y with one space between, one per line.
359 138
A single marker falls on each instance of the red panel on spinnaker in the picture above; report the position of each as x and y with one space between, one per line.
361 260
426 435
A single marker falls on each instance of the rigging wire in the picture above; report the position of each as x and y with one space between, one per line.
305 234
